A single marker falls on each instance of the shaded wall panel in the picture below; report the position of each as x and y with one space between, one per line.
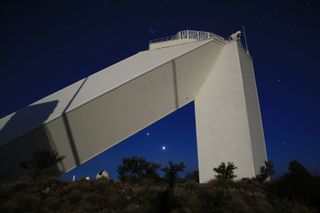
21 149
253 109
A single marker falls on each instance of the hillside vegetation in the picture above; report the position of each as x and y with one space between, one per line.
141 189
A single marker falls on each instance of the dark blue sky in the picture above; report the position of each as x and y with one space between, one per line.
47 45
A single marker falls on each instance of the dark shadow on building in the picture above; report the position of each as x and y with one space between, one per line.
23 134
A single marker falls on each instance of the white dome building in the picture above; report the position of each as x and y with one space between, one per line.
103 174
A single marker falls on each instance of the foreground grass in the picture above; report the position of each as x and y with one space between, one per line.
52 195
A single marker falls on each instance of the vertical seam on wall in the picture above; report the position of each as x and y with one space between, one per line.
175 84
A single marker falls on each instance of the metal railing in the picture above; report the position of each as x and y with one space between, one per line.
189 34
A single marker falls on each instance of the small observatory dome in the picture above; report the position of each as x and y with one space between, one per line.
103 174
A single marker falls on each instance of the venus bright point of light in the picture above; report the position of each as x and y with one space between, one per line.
163 148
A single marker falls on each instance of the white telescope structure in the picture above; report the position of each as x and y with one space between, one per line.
98 112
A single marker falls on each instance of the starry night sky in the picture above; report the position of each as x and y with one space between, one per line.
47 45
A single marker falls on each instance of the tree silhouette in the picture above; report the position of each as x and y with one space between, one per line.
171 172
193 176
297 184
168 199
265 172
297 170
135 169
42 162
225 172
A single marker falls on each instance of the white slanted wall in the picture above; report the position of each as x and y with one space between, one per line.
96 113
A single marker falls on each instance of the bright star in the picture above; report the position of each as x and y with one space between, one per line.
163 148
148 133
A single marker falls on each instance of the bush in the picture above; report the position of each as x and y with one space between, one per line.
135 169
295 191
171 172
265 172
225 172
297 185
213 198
43 162
194 176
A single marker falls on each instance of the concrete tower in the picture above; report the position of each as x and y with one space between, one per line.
95 113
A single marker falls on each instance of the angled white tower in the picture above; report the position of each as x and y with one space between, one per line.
92 115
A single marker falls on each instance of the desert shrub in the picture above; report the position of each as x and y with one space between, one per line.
265 172
54 204
315 192
28 202
291 207
172 171
92 201
42 163
213 196
250 185
21 184
296 186
9 206
135 169
236 204
75 196
194 176
225 172
262 206
187 195
190 185
295 191
5 191
168 201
